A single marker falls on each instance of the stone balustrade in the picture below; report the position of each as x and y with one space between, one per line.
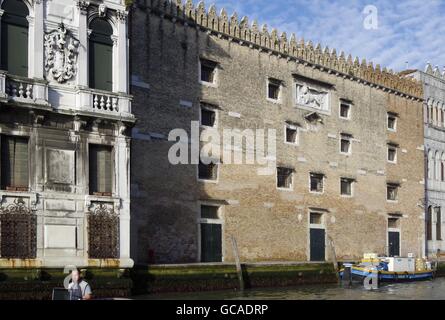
23 90
36 93
107 104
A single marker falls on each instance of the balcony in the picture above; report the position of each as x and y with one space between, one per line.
36 93
104 104
24 91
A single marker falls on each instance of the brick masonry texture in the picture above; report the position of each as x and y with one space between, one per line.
269 224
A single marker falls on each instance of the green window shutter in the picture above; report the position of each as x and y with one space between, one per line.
14 49
101 65
101 169
14 157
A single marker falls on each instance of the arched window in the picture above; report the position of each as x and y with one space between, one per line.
442 171
430 165
101 55
438 224
429 224
14 41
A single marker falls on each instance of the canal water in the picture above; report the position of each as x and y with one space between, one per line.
427 290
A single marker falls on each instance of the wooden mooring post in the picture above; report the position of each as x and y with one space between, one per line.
239 270
334 256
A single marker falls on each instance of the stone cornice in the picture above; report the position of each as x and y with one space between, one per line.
306 53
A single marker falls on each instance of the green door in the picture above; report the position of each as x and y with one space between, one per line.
15 49
101 66
211 242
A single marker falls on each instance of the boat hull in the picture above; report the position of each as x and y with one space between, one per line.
387 276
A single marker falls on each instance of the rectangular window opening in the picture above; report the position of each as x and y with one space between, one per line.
345 110
392 192
291 134
284 178
393 223
316 218
207 171
316 182
208 71
208 117
273 89
392 122
14 163
345 144
101 170
392 153
346 186
210 212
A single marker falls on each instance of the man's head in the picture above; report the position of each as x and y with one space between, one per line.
75 275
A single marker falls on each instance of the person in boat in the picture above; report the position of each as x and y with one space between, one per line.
79 289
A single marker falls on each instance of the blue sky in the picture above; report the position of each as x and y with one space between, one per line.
410 31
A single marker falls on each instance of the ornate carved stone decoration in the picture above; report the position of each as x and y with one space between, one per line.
83 6
102 10
121 15
17 207
60 54
311 98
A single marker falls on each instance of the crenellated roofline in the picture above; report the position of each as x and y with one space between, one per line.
435 72
295 49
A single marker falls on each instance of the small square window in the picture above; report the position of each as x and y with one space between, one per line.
346 186
392 153
392 192
291 134
316 218
393 223
208 117
208 71
210 212
392 122
345 110
345 144
273 89
207 171
316 184
284 178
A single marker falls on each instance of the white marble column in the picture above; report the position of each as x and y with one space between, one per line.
82 73
122 53
36 32
122 187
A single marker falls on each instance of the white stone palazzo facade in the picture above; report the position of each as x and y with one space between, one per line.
60 114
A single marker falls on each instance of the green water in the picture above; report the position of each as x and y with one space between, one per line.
427 290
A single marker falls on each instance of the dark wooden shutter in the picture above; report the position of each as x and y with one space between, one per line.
14 155
101 173
101 65
211 242
14 49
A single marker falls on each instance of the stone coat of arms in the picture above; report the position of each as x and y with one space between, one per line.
60 54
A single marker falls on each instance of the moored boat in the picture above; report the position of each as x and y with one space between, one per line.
388 269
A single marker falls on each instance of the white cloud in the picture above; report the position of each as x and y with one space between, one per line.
409 30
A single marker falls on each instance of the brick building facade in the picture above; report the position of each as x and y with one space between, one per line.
348 169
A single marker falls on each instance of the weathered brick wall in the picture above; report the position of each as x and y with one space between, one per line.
268 224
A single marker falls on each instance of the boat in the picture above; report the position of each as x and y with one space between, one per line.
388 269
